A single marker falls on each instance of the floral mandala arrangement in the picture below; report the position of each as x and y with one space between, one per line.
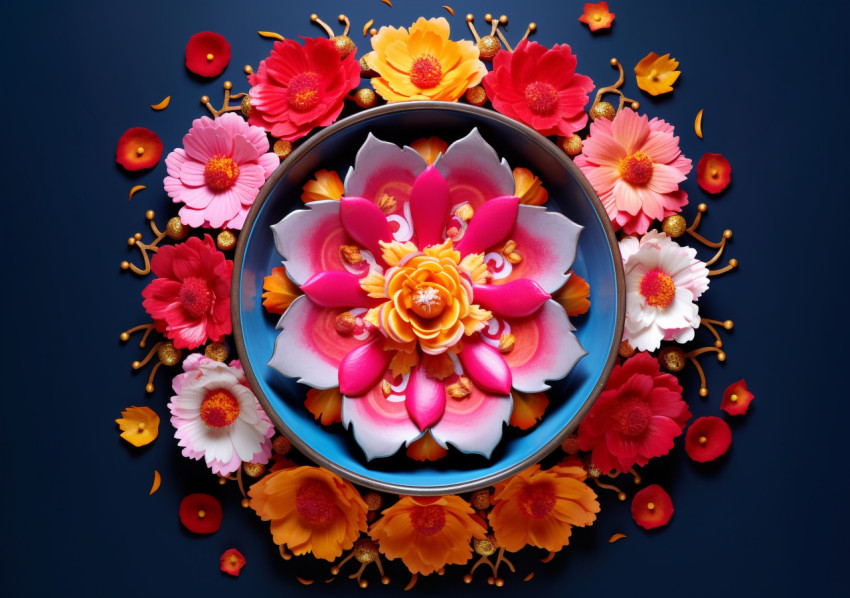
411 292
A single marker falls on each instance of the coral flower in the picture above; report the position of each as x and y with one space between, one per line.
201 513
540 507
652 507
139 425
635 418
311 510
540 88
737 399
138 148
280 292
422 63
707 439
427 533
207 54
190 298
219 171
231 562
656 74
596 16
714 173
636 166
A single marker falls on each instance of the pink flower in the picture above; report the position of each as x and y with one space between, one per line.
190 298
635 165
219 171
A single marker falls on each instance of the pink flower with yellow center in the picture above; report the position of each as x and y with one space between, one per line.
411 304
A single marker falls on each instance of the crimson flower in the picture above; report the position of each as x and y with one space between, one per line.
298 88
652 507
707 439
190 298
207 54
635 418
737 399
540 88
138 148
714 173
201 513
232 562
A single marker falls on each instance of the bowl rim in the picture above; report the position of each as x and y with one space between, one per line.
236 284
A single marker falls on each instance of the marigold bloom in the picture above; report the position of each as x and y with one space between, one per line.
596 16
139 425
325 185
207 54
280 292
423 63
707 439
540 507
656 74
311 510
714 173
427 533
737 399
652 507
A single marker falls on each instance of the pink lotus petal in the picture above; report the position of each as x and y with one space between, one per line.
474 424
365 222
425 398
361 369
309 240
514 299
429 206
335 288
485 366
473 171
383 168
490 225
381 426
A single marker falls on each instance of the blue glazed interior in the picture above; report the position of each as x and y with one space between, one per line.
595 262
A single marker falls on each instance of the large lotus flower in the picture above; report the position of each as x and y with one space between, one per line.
413 311
635 165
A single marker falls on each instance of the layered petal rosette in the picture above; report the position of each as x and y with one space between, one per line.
410 306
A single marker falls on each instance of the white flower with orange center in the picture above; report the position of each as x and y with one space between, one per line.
663 282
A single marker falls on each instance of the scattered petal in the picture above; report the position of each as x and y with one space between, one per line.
232 562
366 27
135 190
138 148
157 480
698 124
201 513
325 185
280 292
449 9
714 173
656 74
303 581
596 16
272 35
616 537
162 105
387 2
737 399
652 507
139 425
707 439
207 54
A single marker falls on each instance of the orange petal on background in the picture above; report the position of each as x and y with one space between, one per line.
425 449
528 409
157 480
616 537
326 185
139 425
450 10
325 405
430 147
280 292
135 190
368 24
574 296
271 35
162 105
528 188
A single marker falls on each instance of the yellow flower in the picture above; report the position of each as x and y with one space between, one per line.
423 64
139 425
326 185
656 74
528 188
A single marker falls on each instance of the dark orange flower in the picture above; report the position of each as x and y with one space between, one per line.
232 562
427 533
737 399
540 507
326 185
707 439
430 147
139 425
325 405
528 188
656 74
714 173
138 148
201 513
425 449
528 408
597 16
311 510
652 507
279 291
574 296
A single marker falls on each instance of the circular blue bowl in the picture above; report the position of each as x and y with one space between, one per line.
597 261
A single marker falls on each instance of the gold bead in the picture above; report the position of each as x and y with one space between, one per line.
718 344
373 32
138 236
201 513
175 229
626 350
225 240
131 241
503 19
499 582
728 324
246 503
703 392
248 69
373 501
217 352
488 17
245 106
205 99
150 214
650 506
613 62
334 570
125 265
141 426
635 105
341 18
488 47
365 550
344 45
365 98
125 336
721 356
727 234
210 57
675 226
603 110
168 354
282 148
476 96
733 262
314 17
228 85
484 547
281 445
469 18
672 359
363 584
136 365
467 578
221 481
480 500
733 398
702 207
364 65
254 470
532 26
149 387
570 145
703 440
140 150
385 580
491 580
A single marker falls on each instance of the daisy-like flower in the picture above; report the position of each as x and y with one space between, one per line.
219 171
540 88
217 417
423 63
656 74
189 300
635 418
311 510
663 282
635 165
428 533
298 88
539 507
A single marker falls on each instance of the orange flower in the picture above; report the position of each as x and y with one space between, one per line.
430 148
423 64
574 296
280 291
656 74
427 533
528 188
326 185
528 409
425 448
139 425
325 404
311 510
540 507
597 16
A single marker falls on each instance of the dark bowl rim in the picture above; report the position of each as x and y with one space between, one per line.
236 316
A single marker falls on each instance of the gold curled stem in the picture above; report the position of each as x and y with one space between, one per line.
344 19
148 328
692 355
548 557
335 569
733 263
225 107
705 241
528 31
718 254
615 89
153 373
504 41
707 323
500 558
469 19
140 364
479 562
607 486
356 575
635 476
315 18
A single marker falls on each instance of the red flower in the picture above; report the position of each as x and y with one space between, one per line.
190 299
298 88
635 418
707 439
201 513
737 399
597 16
138 148
540 88
207 54
714 172
232 562
652 507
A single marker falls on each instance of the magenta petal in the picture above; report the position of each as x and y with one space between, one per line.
361 369
366 223
485 366
425 399
336 288
516 299
491 224
429 207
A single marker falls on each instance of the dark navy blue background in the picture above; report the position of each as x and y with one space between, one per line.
770 518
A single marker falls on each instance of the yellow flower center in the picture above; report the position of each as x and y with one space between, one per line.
636 168
303 92
658 289
541 97
219 409
221 172
427 301
426 71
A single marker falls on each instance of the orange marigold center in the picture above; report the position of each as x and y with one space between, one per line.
315 502
632 419
426 72
537 500
428 520
221 172
427 302
541 97
658 288
303 92
219 409
636 168
195 297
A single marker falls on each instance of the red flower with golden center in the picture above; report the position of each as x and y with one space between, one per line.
138 148
707 439
636 168
658 288
219 409
714 173
232 561
596 16
652 507
201 513
737 399
207 54
221 172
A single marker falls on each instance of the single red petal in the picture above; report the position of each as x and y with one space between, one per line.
708 438
207 54
232 562
652 507
201 513
714 173
138 148
737 399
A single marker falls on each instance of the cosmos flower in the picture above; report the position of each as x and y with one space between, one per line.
232 561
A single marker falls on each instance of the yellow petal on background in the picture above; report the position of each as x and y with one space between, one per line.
388 3
162 105
616 537
139 425
574 296
135 190
450 9
698 124
272 35
366 26
325 185
656 74
157 480
528 188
